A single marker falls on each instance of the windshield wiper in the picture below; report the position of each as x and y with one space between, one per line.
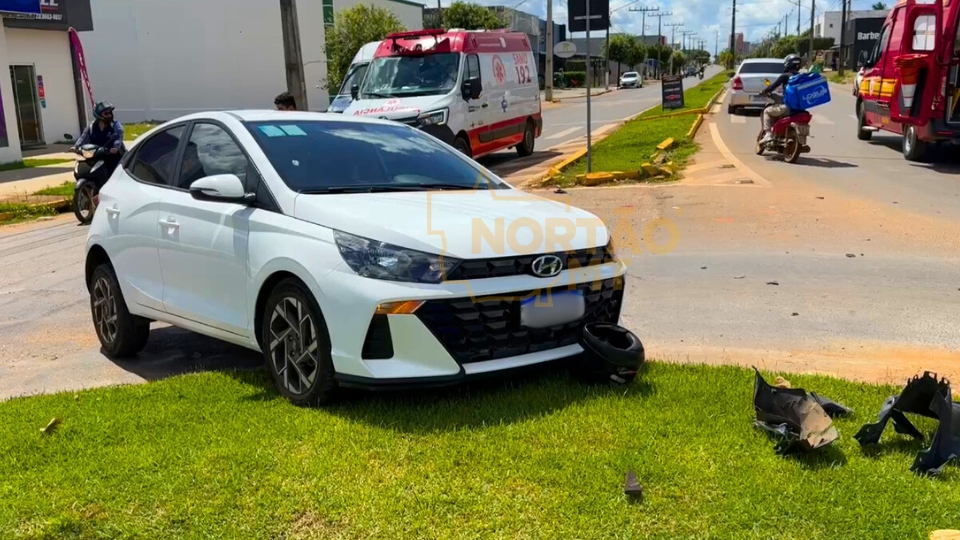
376 95
361 189
455 186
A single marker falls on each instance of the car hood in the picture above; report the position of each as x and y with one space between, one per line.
395 108
474 224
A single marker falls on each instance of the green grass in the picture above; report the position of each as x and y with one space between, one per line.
132 131
846 79
16 212
32 163
220 455
631 145
65 189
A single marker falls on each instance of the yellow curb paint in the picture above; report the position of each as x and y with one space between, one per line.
666 145
945 535
696 125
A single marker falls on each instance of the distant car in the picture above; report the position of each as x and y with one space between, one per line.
631 79
752 77
856 82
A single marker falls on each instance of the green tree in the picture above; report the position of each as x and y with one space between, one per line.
472 17
636 55
353 28
726 59
879 6
679 60
626 50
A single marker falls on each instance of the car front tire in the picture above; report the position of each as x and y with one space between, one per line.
121 334
525 148
296 345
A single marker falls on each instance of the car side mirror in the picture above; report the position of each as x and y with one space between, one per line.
471 89
354 91
221 188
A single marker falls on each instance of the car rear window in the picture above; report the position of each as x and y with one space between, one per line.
761 67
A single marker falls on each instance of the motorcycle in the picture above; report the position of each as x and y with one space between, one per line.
789 134
90 174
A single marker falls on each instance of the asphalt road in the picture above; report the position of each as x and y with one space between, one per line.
567 122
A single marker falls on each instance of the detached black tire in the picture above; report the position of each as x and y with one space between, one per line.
610 354
862 134
296 345
463 146
913 148
525 148
121 334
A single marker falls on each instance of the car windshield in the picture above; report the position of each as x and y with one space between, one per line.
764 68
423 75
345 156
353 77
630 75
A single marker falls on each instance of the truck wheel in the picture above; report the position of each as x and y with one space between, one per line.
463 146
914 149
525 148
862 134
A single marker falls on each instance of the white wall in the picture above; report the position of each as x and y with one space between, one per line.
11 152
49 52
160 59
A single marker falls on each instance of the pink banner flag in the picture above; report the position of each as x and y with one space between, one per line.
81 61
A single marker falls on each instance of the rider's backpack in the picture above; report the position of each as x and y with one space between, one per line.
806 90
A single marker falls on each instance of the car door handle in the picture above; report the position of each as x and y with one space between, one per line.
113 212
485 105
170 222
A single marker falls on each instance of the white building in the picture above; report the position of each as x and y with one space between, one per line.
829 25
159 59
39 85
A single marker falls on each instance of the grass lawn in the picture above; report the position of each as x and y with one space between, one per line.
220 455
132 131
65 189
16 212
630 146
846 79
31 163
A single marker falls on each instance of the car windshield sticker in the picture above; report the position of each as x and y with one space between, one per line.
272 131
294 131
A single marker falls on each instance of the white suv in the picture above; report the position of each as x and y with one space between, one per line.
350 251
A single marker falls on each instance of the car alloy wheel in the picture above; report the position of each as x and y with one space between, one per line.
294 346
105 311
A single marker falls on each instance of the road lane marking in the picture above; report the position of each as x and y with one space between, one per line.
715 135
565 132
738 119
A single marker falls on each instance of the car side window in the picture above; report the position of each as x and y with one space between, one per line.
473 67
211 151
881 45
924 33
155 162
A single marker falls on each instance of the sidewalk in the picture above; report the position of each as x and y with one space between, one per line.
17 184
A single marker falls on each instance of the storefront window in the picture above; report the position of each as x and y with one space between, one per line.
924 33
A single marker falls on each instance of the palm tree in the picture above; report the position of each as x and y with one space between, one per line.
879 6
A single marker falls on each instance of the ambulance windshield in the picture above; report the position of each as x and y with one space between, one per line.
405 76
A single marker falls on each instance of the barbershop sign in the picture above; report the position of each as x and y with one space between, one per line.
47 14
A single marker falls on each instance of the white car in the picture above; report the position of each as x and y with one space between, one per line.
752 77
857 80
631 79
351 251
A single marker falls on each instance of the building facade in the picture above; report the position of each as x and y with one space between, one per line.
861 35
828 25
41 99
179 57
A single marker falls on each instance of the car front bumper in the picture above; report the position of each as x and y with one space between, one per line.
629 84
741 98
463 329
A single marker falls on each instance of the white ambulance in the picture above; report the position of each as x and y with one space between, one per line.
354 76
475 90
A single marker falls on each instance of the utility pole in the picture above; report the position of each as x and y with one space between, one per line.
643 25
548 82
292 55
660 15
843 33
813 14
716 48
733 33
673 37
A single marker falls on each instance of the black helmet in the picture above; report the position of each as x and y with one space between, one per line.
610 353
792 62
100 108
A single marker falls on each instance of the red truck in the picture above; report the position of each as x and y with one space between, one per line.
910 83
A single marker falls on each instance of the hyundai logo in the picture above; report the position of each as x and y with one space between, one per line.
547 266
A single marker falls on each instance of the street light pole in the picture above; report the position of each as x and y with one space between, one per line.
813 13
548 83
292 54
733 33
673 37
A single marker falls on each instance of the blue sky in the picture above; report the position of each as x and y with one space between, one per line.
755 18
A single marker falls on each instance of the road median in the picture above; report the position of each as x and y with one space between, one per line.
651 147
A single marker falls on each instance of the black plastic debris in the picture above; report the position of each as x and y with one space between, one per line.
795 416
831 407
925 396
632 485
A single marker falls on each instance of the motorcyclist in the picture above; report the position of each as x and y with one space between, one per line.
105 132
791 67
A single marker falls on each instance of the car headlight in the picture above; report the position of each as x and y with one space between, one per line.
433 118
379 260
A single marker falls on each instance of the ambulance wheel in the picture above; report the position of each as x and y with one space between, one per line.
913 148
463 146
862 134
525 148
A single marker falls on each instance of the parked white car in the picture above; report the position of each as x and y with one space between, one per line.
351 251
631 79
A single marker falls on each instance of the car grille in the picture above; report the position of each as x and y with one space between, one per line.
488 328
520 266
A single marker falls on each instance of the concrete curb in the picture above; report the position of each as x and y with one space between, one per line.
699 121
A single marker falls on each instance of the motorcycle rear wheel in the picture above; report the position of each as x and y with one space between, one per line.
759 148
83 204
791 147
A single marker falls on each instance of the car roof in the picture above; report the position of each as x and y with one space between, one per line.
763 60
